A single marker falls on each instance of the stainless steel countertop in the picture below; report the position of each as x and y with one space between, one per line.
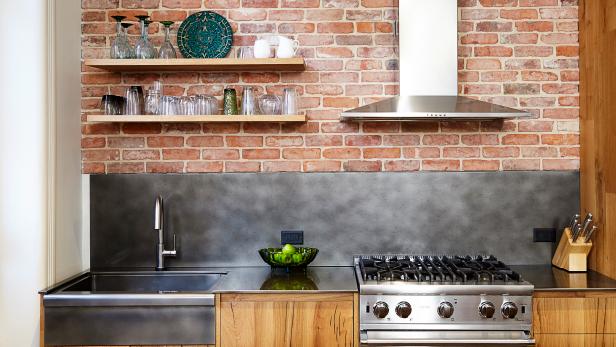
549 278
264 280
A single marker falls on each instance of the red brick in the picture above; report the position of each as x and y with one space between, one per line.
322 166
93 142
440 165
520 139
242 166
570 152
441 140
538 3
125 167
541 26
341 153
204 166
244 141
499 76
126 142
140 155
483 64
461 152
165 141
401 165
559 13
501 152
363 140
181 154
570 76
483 139
519 14
282 166
561 113
99 4
335 27
140 3
555 88
533 51
539 152
205 141
480 165
260 153
460 126
478 13
226 4
183 4
378 153
493 51
300 3
100 155
428 152
293 28
362 166
560 139
93 168
164 167
141 128
324 14
521 38
561 164
494 26
284 141
521 164
220 154
260 3
536 125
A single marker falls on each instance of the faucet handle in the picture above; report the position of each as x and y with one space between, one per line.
173 252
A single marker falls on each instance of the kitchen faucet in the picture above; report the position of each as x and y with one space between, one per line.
161 253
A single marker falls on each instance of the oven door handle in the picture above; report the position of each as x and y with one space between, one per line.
446 338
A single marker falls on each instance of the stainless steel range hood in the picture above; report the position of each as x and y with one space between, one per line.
428 37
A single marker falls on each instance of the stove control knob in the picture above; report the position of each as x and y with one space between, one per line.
486 309
404 309
445 309
380 309
509 310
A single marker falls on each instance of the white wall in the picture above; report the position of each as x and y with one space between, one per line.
68 238
23 168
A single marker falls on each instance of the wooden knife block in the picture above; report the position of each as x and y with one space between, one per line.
572 256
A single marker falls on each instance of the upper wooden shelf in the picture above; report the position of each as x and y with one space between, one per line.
224 64
198 119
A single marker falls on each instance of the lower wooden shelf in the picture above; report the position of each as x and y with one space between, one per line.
196 119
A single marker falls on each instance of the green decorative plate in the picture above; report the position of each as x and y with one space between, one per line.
205 35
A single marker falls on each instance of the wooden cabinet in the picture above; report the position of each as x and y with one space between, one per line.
563 319
287 320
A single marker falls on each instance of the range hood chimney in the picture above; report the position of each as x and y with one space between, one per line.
428 37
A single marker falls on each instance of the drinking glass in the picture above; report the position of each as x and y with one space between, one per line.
116 45
206 105
144 48
166 50
108 105
245 53
269 104
187 105
152 102
169 105
128 52
289 101
248 102
134 101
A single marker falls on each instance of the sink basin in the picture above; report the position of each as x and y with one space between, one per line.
132 308
144 282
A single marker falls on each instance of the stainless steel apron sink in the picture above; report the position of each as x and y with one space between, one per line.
137 307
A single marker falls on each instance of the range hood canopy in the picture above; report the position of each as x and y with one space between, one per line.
428 37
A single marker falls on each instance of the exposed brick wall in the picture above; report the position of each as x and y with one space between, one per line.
520 53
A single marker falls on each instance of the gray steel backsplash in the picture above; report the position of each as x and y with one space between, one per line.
222 219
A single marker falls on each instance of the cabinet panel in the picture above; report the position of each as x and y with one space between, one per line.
568 340
262 320
566 316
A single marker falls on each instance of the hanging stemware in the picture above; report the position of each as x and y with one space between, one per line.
127 50
144 48
116 44
166 50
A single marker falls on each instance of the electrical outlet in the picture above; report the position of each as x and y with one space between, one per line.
544 235
294 237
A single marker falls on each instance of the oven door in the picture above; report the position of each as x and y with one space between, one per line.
374 338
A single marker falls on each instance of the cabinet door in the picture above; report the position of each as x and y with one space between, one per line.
568 340
566 316
287 320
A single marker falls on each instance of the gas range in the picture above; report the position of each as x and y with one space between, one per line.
442 301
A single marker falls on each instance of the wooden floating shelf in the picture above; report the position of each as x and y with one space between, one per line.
223 64
196 119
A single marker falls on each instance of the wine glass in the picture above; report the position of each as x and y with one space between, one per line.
127 50
144 48
166 50
116 45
